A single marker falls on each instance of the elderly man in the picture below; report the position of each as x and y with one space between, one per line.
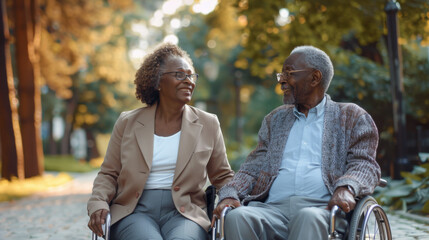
313 153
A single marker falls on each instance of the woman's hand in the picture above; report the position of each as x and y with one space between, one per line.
343 198
227 202
97 219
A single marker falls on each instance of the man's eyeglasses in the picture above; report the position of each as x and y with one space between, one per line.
287 73
182 76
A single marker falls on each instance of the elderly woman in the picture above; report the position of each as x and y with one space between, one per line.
160 157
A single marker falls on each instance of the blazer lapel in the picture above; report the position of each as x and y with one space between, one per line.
188 139
144 133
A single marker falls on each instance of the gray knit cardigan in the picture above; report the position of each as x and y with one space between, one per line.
349 145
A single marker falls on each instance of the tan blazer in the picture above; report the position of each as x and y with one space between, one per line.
126 167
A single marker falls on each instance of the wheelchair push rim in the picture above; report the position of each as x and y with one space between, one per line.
369 221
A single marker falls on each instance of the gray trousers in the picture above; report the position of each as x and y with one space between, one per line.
295 218
156 217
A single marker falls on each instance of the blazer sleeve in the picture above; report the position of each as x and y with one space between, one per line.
105 184
218 168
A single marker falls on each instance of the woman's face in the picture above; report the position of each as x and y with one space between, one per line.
172 89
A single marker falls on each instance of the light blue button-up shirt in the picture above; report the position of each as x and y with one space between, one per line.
300 172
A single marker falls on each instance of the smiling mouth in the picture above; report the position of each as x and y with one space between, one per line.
286 90
186 90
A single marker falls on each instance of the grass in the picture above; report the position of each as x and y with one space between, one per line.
15 189
67 163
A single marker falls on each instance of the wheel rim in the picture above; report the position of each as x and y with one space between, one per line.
373 224
377 223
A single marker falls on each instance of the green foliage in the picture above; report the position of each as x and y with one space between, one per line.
322 23
66 163
416 82
237 152
409 194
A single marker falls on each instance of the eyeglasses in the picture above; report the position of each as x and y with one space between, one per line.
287 73
182 76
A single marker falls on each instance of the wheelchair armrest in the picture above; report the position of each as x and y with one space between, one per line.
106 229
382 182
218 231
210 200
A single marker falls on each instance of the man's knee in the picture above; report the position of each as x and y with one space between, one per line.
239 224
311 214
308 220
237 215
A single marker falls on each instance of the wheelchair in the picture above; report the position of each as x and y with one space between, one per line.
367 221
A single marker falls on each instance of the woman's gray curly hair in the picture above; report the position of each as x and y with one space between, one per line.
149 74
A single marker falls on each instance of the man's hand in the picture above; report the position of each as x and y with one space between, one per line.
96 220
227 202
343 198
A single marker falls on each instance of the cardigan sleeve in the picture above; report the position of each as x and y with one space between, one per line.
362 170
245 179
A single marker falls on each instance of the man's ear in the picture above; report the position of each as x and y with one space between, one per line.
316 78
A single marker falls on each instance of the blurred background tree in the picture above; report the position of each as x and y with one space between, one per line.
354 34
90 50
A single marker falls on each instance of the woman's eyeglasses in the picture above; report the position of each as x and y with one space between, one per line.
182 76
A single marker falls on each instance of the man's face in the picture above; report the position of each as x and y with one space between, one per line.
295 80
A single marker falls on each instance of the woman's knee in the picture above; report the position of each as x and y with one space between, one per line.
135 226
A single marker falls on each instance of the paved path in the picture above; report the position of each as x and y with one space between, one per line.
60 213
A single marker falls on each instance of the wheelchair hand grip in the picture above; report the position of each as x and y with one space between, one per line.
218 231
106 229
382 182
333 234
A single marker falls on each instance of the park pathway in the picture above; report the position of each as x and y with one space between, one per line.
60 214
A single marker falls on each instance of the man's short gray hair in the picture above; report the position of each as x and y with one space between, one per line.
317 59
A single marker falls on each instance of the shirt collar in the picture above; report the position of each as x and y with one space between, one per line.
320 108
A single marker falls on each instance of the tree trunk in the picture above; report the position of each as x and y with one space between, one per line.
92 149
12 155
52 143
71 105
27 42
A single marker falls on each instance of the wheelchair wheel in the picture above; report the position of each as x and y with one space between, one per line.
369 221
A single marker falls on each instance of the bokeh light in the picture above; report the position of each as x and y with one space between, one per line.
205 6
170 7
283 17
171 39
175 23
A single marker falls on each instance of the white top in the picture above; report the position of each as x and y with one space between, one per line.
300 172
165 150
